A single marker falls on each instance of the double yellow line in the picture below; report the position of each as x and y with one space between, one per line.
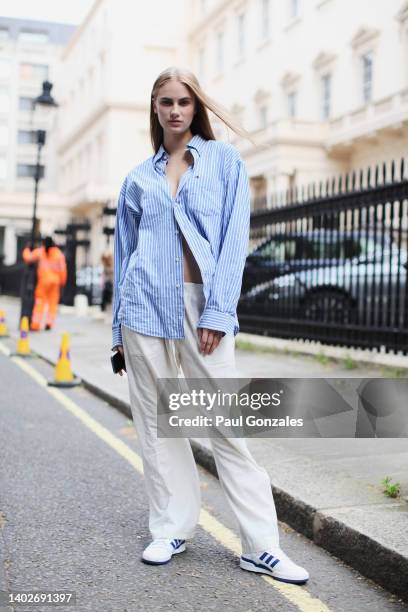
298 596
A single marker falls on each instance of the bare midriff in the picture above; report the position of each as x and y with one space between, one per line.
192 272
175 168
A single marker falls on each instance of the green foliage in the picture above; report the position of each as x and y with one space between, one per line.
322 358
349 363
390 489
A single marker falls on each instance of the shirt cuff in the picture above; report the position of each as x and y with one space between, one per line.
220 321
116 336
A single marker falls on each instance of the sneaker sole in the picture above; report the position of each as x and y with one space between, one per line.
245 565
181 548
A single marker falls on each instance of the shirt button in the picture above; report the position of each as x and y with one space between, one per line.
177 258
177 285
176 232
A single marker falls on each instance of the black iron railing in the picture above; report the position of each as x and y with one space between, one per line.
329 263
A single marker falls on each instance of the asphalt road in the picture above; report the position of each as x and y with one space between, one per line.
73 517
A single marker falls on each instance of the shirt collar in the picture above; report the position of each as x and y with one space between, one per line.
197 142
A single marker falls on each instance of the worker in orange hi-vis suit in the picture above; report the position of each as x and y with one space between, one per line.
51 276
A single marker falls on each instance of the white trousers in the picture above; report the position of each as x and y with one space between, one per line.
170 473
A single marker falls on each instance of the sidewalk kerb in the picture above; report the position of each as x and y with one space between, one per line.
360 356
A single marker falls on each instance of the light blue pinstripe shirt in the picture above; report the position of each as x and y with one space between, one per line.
212 210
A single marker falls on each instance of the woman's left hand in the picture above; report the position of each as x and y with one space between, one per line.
209 339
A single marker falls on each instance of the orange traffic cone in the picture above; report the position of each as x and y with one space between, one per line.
23 343
3 327
63 372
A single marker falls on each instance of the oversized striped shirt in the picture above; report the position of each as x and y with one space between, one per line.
212 210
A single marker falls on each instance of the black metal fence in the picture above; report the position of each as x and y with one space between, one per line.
11 278
329 263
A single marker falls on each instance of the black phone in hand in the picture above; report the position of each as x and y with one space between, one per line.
118 362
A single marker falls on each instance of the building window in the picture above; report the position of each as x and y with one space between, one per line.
367 81
326 88
32 37
292 104
27 137
263 116
5 68
3 168
28 171
4 100
25 104
4 134
4 34
294 8
241 34
31 72
405 50
220 51
265 17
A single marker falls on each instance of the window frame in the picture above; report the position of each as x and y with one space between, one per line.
367 85
326 95
291 103
31 175
32 41
33 77
241 42
220 60
265 15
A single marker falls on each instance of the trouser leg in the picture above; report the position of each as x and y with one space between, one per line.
170 473
39 305
246 484
53 296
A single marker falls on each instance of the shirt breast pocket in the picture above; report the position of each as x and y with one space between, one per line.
206 198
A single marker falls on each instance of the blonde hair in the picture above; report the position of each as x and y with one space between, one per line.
200 123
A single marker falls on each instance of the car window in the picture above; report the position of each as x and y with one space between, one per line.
278 251
330 247
281 250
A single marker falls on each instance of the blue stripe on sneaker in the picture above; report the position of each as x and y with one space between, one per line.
262 557
275 562
261 565
269 559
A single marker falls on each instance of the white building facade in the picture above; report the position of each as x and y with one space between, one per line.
29 54
321 85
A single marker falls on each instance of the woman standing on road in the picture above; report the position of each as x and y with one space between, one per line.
181 241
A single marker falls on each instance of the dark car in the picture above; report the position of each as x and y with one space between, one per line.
284 253
363 280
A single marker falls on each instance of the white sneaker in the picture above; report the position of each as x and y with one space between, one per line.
276 564
160 551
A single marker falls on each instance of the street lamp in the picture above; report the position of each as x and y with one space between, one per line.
47 104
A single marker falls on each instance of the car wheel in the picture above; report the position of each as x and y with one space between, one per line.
329 306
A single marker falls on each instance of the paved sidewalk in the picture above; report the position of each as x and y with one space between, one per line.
329 489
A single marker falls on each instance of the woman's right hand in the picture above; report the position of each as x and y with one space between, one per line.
120 349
